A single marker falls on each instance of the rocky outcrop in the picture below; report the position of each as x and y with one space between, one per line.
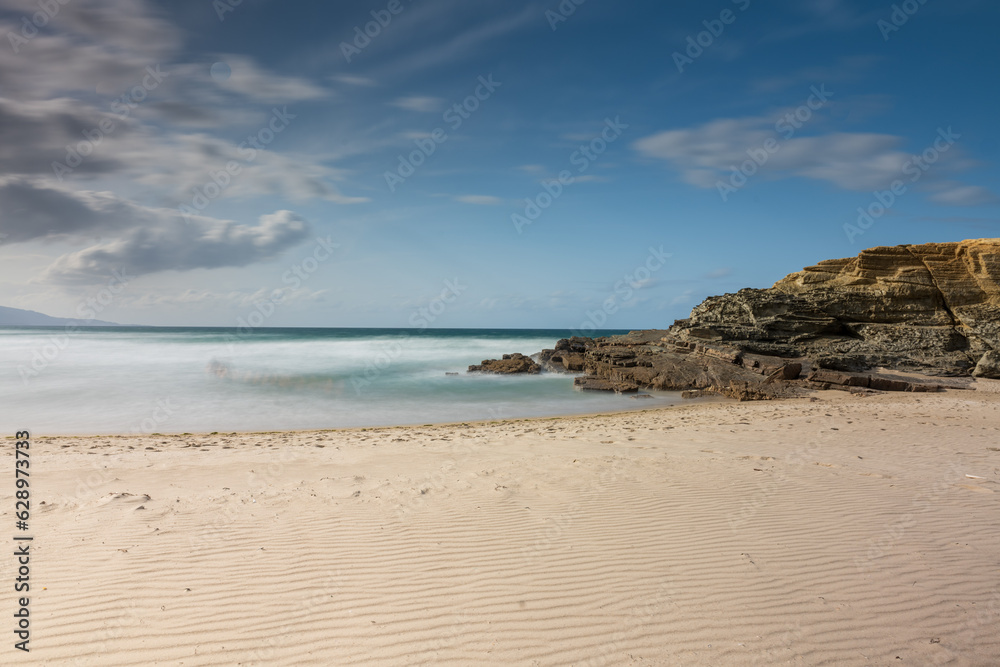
657 360
848 324
568 355
508 365
932 308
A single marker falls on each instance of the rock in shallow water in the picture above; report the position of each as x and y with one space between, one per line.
510 364
569 355
588 383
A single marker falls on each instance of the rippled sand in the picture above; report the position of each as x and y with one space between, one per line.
843 531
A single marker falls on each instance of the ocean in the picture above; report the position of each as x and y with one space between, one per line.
174 380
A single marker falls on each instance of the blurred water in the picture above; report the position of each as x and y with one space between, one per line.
172 380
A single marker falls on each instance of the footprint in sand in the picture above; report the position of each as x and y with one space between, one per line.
123 499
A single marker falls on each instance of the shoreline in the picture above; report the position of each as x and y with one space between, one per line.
979 386
704 400
700 403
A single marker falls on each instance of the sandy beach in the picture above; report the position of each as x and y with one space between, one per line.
836 529
500 333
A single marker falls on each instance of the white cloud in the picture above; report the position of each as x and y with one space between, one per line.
252 82
453 47
719 273
169 243
419 103
143 239
64 89
35 134
684 297
234 299
956 194
355 80
480 200
820 16
30 210
185 162
706 154
846 68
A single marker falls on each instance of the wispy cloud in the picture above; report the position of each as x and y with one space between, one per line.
847 68
957 194
355 80
48 103
236 298
820 16
705 154
420 103
719 273
479 200
457 47
254 83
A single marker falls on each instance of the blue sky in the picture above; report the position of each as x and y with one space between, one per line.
673 151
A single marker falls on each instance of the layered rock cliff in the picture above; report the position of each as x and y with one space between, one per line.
932 309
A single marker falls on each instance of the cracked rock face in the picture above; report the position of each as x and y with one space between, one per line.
931 308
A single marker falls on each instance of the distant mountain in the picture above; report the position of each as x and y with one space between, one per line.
15 317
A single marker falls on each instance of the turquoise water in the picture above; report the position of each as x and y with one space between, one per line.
172 380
